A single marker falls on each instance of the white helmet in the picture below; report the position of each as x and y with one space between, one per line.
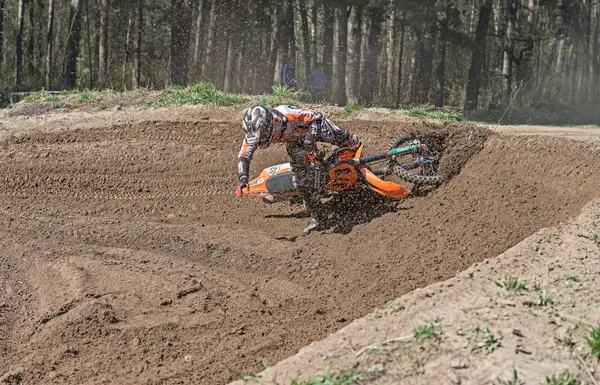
258 125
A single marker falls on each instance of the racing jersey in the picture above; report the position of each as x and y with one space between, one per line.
290 124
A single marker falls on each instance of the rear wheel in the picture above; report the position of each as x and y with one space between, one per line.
419 168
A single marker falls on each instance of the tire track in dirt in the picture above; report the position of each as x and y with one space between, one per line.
147 270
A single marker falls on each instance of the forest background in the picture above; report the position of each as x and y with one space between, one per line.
542 57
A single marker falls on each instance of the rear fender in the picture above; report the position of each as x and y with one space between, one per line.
258 187
389 189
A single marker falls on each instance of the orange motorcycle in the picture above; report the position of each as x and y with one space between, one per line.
346 169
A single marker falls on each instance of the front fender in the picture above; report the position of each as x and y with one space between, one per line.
389 189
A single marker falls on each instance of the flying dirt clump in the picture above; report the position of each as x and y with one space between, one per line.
457 143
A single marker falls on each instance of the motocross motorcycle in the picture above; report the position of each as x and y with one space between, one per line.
406 160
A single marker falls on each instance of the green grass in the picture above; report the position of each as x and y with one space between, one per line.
394 306
544 299
281 95
566 378
512 284
201 93
594 138
593 341
431 329
351 107
344 378
327 379
444 114
37 97
419 112
87 95
596 238
482 339
514 380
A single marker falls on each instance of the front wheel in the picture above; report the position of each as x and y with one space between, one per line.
419 167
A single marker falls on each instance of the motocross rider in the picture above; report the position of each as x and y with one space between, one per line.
300 129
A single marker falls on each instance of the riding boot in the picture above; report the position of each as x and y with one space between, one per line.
313 205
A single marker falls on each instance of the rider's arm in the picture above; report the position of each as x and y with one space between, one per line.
244 158
314 119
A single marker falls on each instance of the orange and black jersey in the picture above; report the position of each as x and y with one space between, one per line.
294 125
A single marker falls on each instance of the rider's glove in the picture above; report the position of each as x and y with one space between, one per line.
239 191
353 141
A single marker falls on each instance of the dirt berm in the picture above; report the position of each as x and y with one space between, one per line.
126 257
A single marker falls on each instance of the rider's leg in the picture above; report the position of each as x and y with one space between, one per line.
305 182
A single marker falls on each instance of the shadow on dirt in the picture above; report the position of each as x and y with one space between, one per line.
298 215
354 208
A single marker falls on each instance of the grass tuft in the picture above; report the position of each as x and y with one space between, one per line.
87 95
566 378
431 329
417 112
512 284
596 238
327 379
201 93
394 306
444 114
482 339
593 341
281 95
351 107
37 97
514 380
543 300
574 278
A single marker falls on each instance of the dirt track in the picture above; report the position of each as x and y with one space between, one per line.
127 259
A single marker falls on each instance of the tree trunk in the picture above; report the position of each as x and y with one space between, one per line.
339 62
241 72
181 22
1 32
328 49
478 58
305 39
586 58
198 40
210 39
353 57
232 51
506 79
441 70
509 51
89 43
389 79
73 44
369 77
49 42
425 60
136 51
401 60
19 47
276 43
127 54
289 47
103 44
30 55
596 59
313 33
